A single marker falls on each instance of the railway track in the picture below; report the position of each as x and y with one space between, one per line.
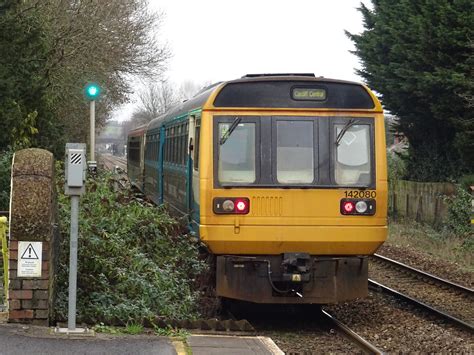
117 165
303 329
446 299
111 162
360 342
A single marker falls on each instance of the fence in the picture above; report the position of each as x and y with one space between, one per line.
422 201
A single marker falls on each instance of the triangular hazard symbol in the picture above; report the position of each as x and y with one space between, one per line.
30 253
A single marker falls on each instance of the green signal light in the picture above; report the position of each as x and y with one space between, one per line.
92 91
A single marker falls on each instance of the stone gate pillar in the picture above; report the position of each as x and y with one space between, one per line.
33 237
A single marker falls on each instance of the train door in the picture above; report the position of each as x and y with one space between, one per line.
142 161
193 171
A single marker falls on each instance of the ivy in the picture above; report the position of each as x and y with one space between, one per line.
5 179
134 261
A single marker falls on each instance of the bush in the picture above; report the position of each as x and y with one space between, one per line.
467 181
459 212
5 179
396 167
134 261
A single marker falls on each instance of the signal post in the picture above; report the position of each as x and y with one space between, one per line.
92 93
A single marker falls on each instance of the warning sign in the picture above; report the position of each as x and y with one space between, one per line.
29 259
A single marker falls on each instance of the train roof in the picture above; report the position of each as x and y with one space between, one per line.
138 131
236 93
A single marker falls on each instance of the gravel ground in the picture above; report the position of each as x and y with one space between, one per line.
311 341
395 327
427 263
299 334
452 301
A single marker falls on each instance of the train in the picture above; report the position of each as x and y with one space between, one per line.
282 176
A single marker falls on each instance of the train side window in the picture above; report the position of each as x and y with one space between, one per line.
167 146
183 148
157 146
197 131
180 145
353 155
174 147
178 148
295 152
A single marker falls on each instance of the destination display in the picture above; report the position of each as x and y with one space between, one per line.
317 94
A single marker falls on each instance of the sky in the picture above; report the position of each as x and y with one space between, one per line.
214 40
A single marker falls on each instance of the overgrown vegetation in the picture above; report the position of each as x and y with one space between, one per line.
444 244
134 260
5 179
459 212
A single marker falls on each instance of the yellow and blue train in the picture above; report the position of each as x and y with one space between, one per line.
282 176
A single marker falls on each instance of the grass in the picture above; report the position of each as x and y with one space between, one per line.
440 244
171 332
133 329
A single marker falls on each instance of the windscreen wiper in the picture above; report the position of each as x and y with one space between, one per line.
231 129
348 125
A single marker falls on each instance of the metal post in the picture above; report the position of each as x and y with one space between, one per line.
75 173
71 323
92 128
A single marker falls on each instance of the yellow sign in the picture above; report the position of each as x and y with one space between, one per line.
296 278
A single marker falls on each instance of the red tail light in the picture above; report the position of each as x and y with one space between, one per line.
241 205
231 205
348 206
357 207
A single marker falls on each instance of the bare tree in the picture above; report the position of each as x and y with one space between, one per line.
107 42
154 100
190 88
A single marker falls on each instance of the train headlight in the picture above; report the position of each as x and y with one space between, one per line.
228 206
361 207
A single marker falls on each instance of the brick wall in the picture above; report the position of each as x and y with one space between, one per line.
29 297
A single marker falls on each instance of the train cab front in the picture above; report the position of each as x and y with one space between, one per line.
293 190
292 214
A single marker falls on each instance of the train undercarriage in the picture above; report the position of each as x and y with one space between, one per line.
292 278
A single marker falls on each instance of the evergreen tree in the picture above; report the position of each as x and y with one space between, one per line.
417 54
23 51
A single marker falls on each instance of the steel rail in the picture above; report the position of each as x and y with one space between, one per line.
425 274
363 344
424 306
